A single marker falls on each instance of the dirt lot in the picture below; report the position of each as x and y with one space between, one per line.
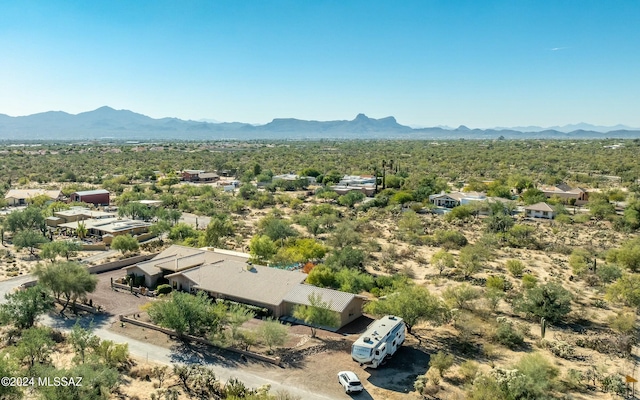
115 302
321 358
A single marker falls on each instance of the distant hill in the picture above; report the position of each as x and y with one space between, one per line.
107 123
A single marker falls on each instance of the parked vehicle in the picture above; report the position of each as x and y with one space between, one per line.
350 382
381 340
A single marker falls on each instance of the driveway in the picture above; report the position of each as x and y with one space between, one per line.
115 302
197 221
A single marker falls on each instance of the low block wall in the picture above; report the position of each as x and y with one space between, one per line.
94 247
110 266
272 360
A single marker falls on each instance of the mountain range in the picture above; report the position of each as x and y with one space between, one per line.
105 123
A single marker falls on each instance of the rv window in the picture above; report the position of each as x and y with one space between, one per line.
377 352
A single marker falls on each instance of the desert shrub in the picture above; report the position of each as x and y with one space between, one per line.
460 296
450 239
496 282
551 301
469 370
608 273
515 268
580 261
529 281
507 335
625 290
442 362
559 348
623 322
581 218
163 289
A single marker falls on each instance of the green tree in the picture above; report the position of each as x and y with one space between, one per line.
347 257
219 227
238 315
317 313
533 196
182 232
23 307
460 296
471 260
273 333
580 261
442 362
442 260
351 198
9 370
628 255
262 249
63 248
276 228
35 346
551 301
125 243
625 290
66 279
186 313
414 304
98 382
82 340
28 239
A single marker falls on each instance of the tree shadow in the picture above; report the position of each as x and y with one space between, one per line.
400 371
67 321
199 353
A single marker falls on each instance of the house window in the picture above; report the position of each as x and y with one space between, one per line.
545 213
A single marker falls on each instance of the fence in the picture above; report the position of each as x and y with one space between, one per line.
272 360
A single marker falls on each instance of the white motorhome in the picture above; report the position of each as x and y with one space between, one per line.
381 340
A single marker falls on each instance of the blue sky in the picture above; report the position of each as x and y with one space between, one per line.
478 63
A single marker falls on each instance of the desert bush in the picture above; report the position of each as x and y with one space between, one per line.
469 370
529 281
442 362
623 322
559 348
163 289
608 273
496 282
460 296
450 239
507 335
515 268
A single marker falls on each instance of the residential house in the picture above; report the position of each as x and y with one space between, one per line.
348 306
363 183
197 175
106 228
454 199
98 197
241 282
20 197
577 196
540 210
76 214
177 258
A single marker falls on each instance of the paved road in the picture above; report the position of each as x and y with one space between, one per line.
223 368
192 219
